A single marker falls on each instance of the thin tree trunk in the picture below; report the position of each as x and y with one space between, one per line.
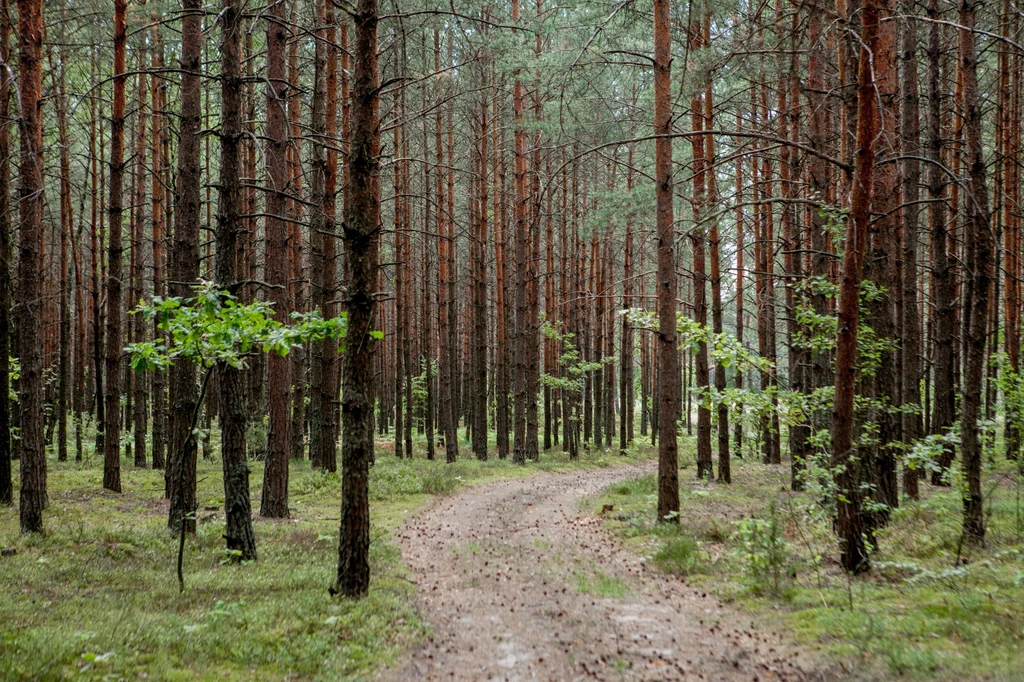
159 95
740 291
66 227
479 347
112 352
274 503
520 368
135 327
452 409
6 78
714 241
700 305
979 244
944 410
910 325
323 251
627 341
668 359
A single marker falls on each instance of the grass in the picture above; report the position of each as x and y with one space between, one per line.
597 583
918 615
96 596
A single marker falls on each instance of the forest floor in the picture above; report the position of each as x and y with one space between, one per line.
479 573
96 597
520 581
932 608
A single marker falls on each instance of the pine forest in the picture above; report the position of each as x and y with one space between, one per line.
615 340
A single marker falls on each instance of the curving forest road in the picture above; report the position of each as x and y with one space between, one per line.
520 582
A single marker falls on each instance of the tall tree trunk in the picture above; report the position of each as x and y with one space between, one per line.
668 358
426 344
112 351
184 270
1009 115
882 267
444 258
714 241
135 323
452 435
789 128
296 269
850 525
910 325
700 284
66 227
323 250
237 506
979 244
522 245
501 352
819 373
96 254
6 79
360 227
159 95
740 291
33 498
944 392
627 341
479 348
401 266
274 503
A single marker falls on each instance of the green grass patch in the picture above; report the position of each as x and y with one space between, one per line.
918 615
599 584
679 555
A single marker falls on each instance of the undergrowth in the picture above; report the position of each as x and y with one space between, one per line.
96 596
920 614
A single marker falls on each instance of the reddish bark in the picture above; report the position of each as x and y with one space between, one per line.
274 503
33 498
850 525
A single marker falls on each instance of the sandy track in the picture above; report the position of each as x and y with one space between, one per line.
521 583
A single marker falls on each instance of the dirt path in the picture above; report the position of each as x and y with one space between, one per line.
520 583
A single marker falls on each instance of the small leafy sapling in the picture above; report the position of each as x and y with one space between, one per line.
214 329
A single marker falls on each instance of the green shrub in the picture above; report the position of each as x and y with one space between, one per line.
443 480
679 555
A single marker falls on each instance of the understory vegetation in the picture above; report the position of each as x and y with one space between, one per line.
95 597
934 608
